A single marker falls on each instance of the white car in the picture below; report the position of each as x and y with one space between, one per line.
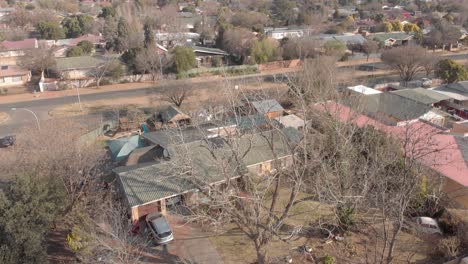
427 225
426 82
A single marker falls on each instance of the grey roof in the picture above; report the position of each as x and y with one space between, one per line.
193 167
170 112
258 147
175 136
394 107
421 95
83 62
462 143
458 91
346 39
250 122
392 35
209 50
267 106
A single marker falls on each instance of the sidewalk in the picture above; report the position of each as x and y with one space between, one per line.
127 86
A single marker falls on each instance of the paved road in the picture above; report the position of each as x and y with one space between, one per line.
20 117
42 107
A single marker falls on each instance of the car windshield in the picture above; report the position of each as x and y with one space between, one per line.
160 225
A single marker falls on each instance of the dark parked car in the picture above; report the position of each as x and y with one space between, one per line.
7 141
159 228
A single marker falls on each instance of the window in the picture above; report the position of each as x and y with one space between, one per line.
16 79
2 80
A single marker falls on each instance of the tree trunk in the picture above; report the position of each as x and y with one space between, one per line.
262 257
391 247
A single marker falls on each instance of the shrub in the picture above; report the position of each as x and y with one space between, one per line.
346 216
75 52
328 260
450 246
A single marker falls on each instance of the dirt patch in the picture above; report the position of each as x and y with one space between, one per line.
361 243
57 248
4 117
199 99
99 106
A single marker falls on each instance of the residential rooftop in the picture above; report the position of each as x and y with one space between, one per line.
421 95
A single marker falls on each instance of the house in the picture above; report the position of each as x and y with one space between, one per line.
61 46
172 116
392 109
347 39
170 40
11 75
291 121
189 20
361 89
210 56
81 67
458 93
270 108
153 187
393 39
5 11
11 50
423 96
447 154
281 33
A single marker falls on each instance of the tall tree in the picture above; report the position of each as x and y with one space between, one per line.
407 60
184 58
37 60
50 30
370 47
123 33
149 35
28 206
450 71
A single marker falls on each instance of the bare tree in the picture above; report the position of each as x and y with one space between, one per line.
430 62
407 60
150 61
56 151
109 67
37 60
175 94
238 41
370 47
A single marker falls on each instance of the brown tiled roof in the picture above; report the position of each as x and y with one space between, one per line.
19 45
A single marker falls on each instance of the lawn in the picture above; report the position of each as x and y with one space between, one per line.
359 244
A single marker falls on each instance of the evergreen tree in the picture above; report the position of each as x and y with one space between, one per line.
149 36
28 206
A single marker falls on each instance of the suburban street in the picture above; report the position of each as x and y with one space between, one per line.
42 106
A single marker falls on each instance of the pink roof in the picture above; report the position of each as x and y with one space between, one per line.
89 37
19 45
434 149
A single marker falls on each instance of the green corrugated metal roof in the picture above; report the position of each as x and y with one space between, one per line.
192 166
393 35
422 95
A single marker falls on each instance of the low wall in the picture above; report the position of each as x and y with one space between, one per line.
81 83
275 65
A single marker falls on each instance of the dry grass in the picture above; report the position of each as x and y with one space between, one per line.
359 245
4 117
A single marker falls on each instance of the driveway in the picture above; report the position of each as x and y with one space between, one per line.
190 245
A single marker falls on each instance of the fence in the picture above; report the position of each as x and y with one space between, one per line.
228 70
279 65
